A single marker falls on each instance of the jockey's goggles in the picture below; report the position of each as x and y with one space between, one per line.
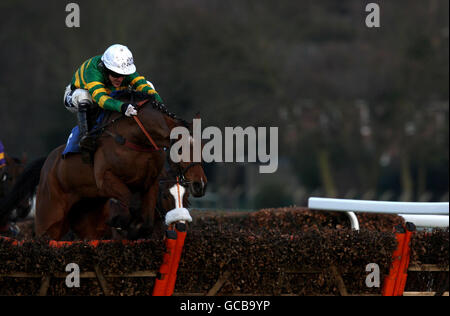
115 74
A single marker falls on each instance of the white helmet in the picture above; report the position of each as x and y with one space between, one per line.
118 58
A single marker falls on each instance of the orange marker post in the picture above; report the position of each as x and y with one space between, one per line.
391 279
164 271
180 228
406 255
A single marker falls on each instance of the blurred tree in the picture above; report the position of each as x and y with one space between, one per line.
357 108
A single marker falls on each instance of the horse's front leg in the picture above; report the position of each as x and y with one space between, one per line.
150 222
119 208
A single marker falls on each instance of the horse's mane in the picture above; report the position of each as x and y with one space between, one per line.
134 97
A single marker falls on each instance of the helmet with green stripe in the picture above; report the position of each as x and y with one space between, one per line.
119 59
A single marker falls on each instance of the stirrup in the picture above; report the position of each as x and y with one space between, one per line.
88 143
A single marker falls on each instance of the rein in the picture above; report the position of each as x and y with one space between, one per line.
122 141
141 126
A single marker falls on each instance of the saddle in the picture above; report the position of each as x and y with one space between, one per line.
102 120
96 119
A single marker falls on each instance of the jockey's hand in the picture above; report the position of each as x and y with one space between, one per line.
129 110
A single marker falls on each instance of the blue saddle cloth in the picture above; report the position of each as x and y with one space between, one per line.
74 137
72 146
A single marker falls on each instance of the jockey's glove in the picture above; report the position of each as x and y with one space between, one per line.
128 110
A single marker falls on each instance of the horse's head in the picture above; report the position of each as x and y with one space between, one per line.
160 122
191 173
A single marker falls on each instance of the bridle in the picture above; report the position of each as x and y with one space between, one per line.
179 170
178 177
180 173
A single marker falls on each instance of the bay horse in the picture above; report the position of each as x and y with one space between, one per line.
87 198
190 175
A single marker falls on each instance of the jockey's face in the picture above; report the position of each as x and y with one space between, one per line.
116 81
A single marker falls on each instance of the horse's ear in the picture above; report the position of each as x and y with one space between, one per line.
197 115
24 158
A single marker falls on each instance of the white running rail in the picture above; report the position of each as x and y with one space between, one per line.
421 214
427 220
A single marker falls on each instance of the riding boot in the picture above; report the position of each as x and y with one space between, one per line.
87 142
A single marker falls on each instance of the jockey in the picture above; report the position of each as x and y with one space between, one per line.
3 173
2 156
96 78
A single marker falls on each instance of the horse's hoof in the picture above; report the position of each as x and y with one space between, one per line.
119 233
10 230
119 222
139 231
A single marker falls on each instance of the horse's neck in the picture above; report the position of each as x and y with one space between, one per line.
171 123
153 119
136 97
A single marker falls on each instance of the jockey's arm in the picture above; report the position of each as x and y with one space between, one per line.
2 157
93 82
139 83
100 96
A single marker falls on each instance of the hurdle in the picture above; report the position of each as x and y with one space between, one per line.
415 214
166 276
